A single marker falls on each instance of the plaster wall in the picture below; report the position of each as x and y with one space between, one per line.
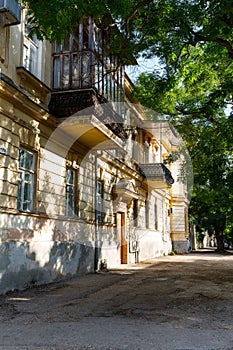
151 244
26 264
35 250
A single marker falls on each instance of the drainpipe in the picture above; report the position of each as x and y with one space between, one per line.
160 141
97 249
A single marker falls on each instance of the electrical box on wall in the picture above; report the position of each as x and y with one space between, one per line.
133 246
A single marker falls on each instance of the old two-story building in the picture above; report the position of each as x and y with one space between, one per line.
83 184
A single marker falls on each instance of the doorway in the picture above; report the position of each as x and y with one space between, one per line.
120 218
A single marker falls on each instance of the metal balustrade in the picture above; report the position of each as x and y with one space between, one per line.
157 175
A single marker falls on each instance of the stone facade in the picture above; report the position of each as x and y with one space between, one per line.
72 196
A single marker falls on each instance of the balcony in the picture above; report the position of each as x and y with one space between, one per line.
82 102
63 104
156 175
11 10
84 79
89 131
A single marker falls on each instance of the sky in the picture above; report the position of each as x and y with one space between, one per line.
144 66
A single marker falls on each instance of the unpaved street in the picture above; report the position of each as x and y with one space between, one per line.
172 303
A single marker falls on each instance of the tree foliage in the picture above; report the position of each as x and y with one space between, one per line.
194 91
165 28
53 20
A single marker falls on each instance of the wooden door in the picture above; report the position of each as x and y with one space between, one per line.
121 238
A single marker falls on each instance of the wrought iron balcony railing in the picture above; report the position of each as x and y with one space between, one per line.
84 101
157 175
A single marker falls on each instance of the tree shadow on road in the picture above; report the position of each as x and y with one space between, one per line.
206 251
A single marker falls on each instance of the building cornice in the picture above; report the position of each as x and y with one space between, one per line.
13 94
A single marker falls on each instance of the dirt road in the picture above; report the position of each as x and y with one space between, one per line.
171 303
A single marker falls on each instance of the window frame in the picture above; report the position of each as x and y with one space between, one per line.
23 182
147 214
79 48
99 201
156 214
135 212
32 52
70 211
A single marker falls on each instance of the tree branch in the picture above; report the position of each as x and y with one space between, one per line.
125 21
209 118
133 13
224 20
226 44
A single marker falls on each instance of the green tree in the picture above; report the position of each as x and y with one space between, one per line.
195 99
165 28
194 89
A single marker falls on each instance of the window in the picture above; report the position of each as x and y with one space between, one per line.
26 176
72 59
156 216
147 145
32 52
70 192
30 56
4 44
135 212
99 200
147 213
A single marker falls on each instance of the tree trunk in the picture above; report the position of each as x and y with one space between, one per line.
219 227
219 239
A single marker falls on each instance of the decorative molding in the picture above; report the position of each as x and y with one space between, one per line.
23 101
37 90
124 192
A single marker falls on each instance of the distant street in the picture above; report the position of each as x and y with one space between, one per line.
170 303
